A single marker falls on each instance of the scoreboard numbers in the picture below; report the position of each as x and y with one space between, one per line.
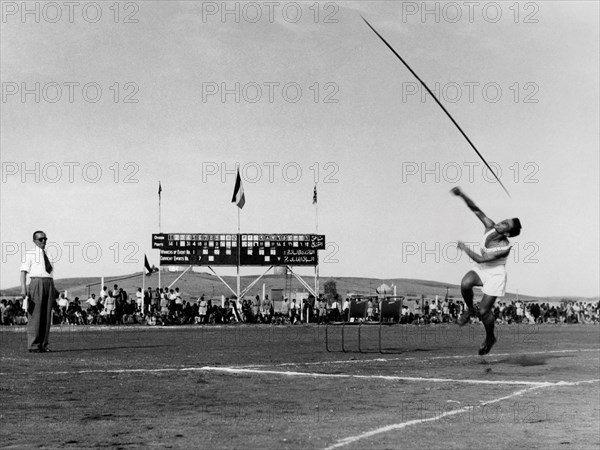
219 249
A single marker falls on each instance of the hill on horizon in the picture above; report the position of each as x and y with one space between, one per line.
194 284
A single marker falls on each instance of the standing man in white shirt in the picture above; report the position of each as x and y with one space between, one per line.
139 299
42 294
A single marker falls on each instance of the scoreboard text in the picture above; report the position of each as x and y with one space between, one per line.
245 249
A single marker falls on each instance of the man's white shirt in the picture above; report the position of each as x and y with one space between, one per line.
34 264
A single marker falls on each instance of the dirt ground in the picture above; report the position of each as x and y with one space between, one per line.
277 387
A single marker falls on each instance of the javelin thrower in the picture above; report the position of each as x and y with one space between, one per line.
489 270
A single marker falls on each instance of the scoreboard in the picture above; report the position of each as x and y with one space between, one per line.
221 249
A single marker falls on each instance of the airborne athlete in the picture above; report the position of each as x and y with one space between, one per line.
489 270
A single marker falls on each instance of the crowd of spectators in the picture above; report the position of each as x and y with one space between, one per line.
506 312
161 306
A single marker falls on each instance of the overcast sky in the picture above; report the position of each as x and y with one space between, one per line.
100 102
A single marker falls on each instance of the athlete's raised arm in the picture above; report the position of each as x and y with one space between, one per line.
487 222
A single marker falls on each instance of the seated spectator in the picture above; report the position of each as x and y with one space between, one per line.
8 315
188 313
20 317
3 305
92 301
63 305
74 313
285 311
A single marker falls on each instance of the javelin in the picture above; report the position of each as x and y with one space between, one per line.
438 102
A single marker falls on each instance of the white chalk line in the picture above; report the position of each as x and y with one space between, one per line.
399 426
237 370
409 358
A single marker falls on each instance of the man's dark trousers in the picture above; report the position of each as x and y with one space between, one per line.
42 296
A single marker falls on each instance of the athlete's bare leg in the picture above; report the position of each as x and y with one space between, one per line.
486 313
469 281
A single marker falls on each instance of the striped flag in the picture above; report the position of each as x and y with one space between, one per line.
147 266
315 195
238 193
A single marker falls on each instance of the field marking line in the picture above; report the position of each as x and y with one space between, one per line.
235 370
409 358
238 370
399 426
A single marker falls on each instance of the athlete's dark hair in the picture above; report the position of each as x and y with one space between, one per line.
516 228
36 232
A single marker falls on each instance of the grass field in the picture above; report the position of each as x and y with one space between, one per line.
255 386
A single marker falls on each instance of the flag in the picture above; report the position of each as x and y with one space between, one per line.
147 265
315 195
238 193
159 190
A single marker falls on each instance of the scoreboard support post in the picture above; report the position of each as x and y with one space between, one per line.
222 280
303 283
177 279
316 281
251 285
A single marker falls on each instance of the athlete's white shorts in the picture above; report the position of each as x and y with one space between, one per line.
493 279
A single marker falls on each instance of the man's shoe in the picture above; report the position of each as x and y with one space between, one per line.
35 350
487 346
45 350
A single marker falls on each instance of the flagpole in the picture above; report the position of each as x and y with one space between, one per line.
159 196
143 284
159 228
239 252
239 200
316 202
316 210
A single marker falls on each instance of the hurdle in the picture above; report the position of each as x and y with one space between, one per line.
390 312
356 316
